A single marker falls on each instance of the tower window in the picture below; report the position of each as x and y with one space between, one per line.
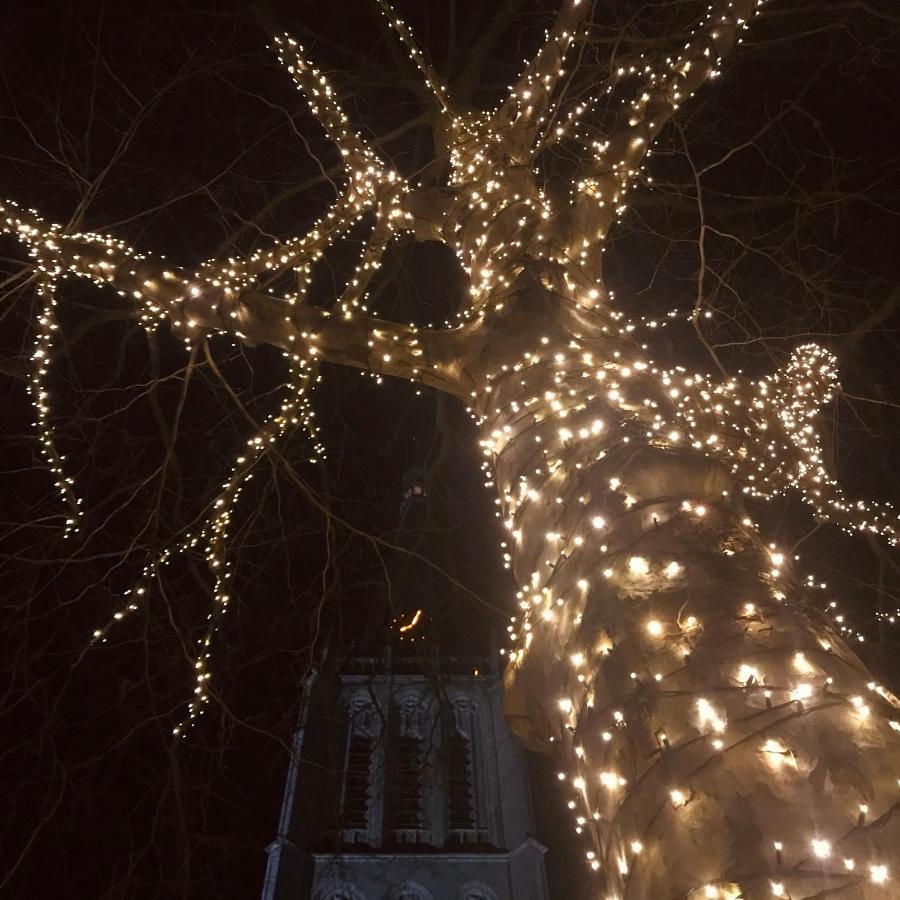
460 783
358 782
407 783
408 818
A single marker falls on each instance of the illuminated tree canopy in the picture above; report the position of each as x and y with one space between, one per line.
716 734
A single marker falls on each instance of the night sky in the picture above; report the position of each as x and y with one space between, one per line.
170 124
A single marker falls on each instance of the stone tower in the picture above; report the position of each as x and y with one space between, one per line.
404 782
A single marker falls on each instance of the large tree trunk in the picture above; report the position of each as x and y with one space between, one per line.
712 726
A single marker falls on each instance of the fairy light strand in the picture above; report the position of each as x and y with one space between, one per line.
629 580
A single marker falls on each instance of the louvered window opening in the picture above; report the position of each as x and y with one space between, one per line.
460 783
357 790
407 788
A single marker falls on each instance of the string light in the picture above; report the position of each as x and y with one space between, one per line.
656 634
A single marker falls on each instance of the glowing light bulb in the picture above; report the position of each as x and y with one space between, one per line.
878 873
637 565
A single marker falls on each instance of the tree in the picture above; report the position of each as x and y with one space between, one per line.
717 734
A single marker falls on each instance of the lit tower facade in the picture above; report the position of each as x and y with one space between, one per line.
404 782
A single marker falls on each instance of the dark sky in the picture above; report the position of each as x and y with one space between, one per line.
169 124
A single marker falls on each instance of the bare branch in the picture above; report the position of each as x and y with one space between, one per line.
254 225
481 47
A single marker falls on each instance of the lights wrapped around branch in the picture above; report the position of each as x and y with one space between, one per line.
47 327
212 537
660 667
550 422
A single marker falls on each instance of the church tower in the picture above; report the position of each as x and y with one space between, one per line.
404 782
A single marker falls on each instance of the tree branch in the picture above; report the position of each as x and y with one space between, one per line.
254 225
608 176
434 84
481 47
196 307
323 104
521 115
